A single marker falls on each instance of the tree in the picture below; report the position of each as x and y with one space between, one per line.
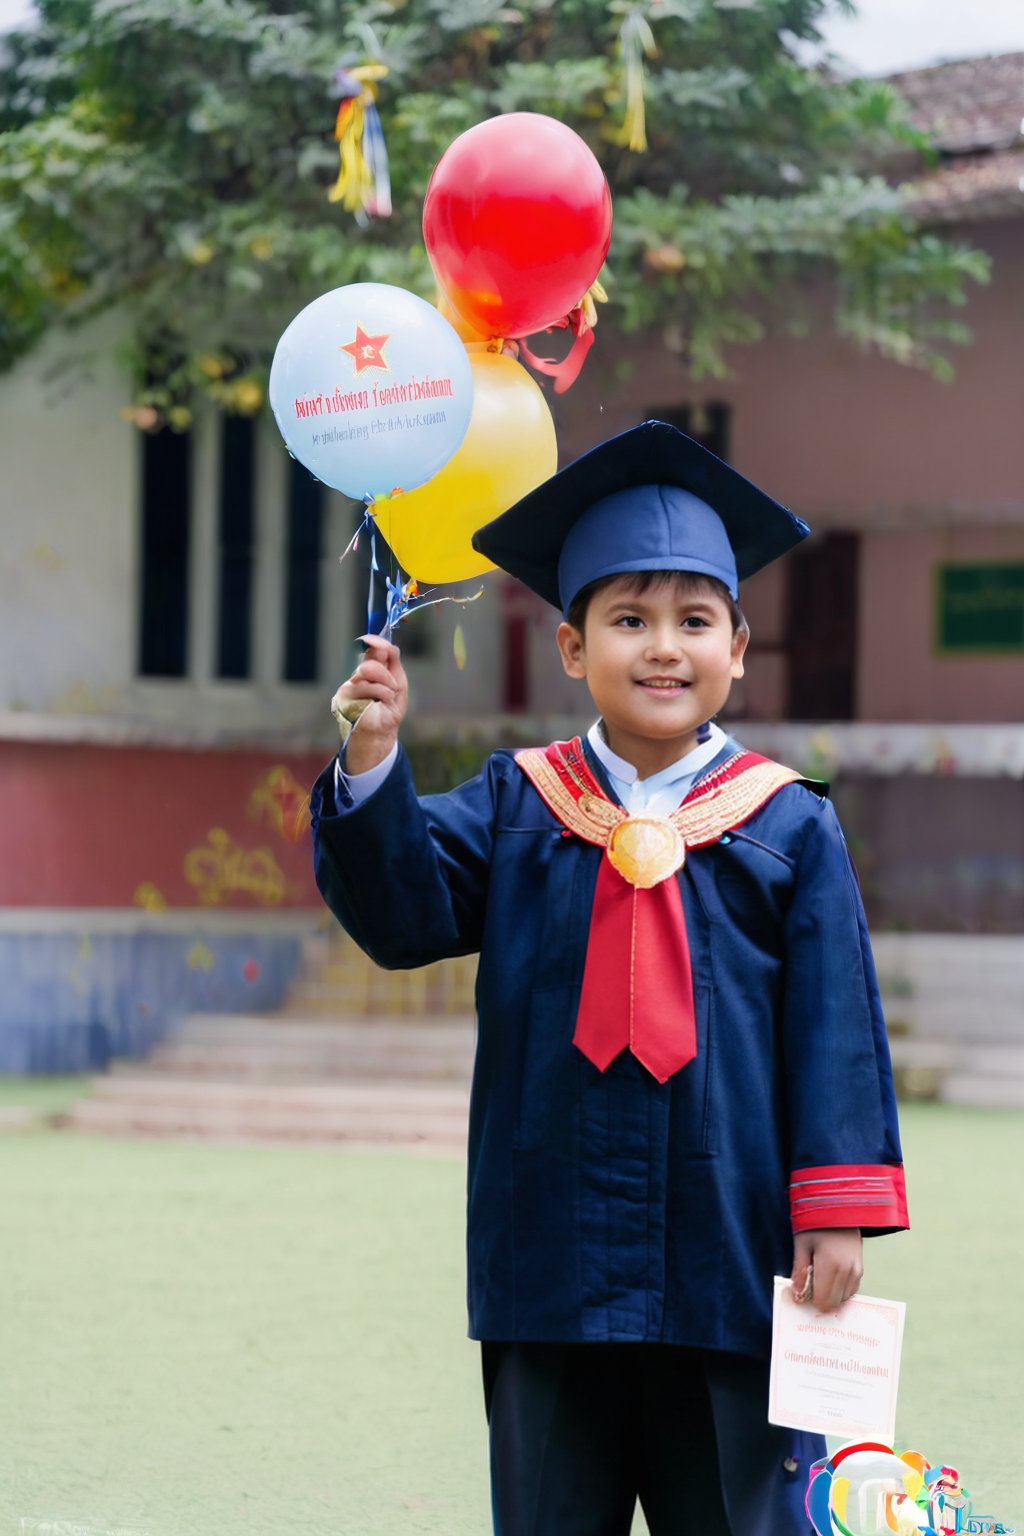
171 159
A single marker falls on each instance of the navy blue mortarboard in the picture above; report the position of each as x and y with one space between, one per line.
651 499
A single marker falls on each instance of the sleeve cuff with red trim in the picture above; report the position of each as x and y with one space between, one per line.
849 1195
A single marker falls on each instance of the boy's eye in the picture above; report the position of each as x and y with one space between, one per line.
695 622
631 621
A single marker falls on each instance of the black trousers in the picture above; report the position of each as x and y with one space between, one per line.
579 1432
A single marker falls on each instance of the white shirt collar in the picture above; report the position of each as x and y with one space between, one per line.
685 767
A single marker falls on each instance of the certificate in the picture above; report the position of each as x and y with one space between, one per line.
836 1373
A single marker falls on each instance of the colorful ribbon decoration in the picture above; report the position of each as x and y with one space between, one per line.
364 182
636 42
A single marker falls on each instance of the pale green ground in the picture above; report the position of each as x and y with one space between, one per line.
43 1095
197 1340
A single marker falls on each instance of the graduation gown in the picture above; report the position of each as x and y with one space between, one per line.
607 1206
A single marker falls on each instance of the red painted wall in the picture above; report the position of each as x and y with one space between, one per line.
104 826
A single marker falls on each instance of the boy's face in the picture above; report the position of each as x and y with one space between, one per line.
658 664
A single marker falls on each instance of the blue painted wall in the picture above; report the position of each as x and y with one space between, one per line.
71 1001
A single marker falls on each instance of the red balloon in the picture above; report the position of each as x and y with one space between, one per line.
517 221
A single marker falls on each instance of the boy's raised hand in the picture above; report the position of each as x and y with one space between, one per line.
827 1266
379 682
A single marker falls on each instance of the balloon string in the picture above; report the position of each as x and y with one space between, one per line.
353 541
366 525
403 593
406 598
374 570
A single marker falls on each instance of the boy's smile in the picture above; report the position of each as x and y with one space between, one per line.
658 663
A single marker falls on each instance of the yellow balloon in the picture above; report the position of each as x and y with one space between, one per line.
508 449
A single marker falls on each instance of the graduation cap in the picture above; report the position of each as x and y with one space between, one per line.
651 499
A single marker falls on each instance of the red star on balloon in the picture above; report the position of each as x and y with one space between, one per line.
367 351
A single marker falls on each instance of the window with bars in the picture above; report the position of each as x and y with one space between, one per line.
822 581
235 552
236 601
303 545
166 484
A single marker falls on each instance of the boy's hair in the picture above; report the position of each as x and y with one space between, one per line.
642 581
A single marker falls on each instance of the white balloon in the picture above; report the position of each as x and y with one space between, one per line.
371 389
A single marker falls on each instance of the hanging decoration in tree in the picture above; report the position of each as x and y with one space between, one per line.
363 186
636 43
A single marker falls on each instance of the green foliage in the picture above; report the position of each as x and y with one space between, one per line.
441 765
172 159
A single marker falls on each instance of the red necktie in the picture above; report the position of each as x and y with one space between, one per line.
637 984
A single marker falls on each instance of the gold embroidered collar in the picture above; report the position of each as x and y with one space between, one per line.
647 849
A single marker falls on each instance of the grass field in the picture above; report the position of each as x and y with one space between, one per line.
198 1340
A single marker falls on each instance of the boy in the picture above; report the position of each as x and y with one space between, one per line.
682 1084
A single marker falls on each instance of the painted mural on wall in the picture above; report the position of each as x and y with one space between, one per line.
104 826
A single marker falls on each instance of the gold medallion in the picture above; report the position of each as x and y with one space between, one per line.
646 850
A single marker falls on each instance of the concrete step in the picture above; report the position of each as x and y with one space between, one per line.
252 1062
335 976
909 1051
960 1020
18 1117
335 979
958 987
959 1072
335 1004
314 1097
444 976
265 1047
983 1091
921 1067
405 1114
213 1028
994 1060
324 1055
339 1002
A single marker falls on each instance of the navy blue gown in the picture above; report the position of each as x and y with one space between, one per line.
606 1207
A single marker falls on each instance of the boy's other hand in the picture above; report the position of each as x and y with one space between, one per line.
827 1266
379 680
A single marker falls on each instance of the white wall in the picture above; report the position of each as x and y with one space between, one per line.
69 564
67 531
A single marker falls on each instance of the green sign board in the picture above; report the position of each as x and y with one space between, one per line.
980 608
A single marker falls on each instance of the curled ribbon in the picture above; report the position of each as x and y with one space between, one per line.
581 321
364 182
